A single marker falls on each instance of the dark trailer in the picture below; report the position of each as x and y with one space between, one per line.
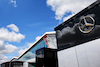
18 64
78 39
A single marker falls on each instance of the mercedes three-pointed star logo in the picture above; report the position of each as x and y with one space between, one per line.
86 24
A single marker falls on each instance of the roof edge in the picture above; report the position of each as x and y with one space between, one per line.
46 33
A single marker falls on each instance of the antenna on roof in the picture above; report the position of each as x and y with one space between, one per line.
56 24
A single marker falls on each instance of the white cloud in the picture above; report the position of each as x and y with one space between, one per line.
13 27
64 19
37 38
61 7
1 43
7 36
14 2
21 51
12 36
29 54
8 48
28 45
3 58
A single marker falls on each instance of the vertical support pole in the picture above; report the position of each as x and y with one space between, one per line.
25 64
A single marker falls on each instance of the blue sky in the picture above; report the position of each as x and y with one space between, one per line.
32 18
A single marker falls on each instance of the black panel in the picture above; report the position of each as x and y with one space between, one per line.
31 64
76 31
48 59
5 64
40 58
